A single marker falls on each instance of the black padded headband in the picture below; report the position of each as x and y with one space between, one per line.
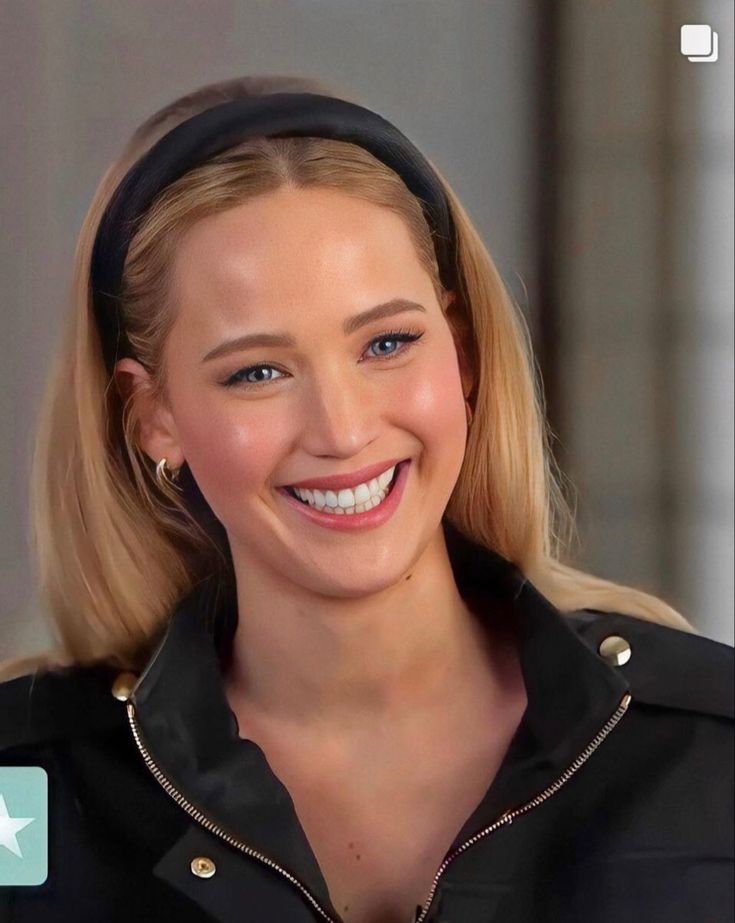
214 130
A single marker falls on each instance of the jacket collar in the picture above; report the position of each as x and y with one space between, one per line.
191 734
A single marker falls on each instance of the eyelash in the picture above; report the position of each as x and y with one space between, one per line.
407 337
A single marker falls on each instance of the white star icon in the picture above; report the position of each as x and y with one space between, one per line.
9 826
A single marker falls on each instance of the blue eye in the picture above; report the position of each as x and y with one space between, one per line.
235 379
404 337
397 337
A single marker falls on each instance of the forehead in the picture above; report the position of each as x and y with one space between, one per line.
295 249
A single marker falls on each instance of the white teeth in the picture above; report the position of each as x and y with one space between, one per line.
345 498
362 493
358 499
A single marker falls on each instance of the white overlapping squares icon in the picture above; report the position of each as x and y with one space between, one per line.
699 43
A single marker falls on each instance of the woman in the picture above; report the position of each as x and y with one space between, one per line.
319 658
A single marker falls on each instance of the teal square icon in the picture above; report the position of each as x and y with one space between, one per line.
23 825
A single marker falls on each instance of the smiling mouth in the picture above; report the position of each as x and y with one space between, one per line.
327 501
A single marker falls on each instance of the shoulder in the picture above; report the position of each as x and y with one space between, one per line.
664 666
49 705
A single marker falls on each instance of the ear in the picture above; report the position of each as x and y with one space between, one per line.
457 318
157 432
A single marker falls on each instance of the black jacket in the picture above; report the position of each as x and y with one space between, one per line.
614 803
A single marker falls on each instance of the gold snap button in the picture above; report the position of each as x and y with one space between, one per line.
615 650
203 867
123 686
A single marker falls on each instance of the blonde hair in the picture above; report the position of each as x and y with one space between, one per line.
116 550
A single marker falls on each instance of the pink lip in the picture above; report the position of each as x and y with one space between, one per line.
341 481
349 522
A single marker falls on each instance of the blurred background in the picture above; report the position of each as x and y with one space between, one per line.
594 157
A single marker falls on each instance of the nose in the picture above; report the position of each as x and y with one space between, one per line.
341 414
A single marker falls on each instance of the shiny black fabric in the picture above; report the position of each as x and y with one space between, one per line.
627 814
209 133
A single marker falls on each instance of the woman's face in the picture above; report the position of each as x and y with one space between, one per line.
340 397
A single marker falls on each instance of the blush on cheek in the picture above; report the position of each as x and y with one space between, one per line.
232 461
435 404
434 412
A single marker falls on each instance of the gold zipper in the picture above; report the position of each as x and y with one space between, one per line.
509 816
506 818
181 800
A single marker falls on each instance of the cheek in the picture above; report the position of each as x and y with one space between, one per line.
231 449
431 402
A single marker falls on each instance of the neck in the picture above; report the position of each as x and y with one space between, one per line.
327 663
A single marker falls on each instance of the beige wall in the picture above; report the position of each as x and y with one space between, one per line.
646 258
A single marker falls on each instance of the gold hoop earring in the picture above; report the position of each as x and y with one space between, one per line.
165 479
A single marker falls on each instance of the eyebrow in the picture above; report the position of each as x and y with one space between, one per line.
249 340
